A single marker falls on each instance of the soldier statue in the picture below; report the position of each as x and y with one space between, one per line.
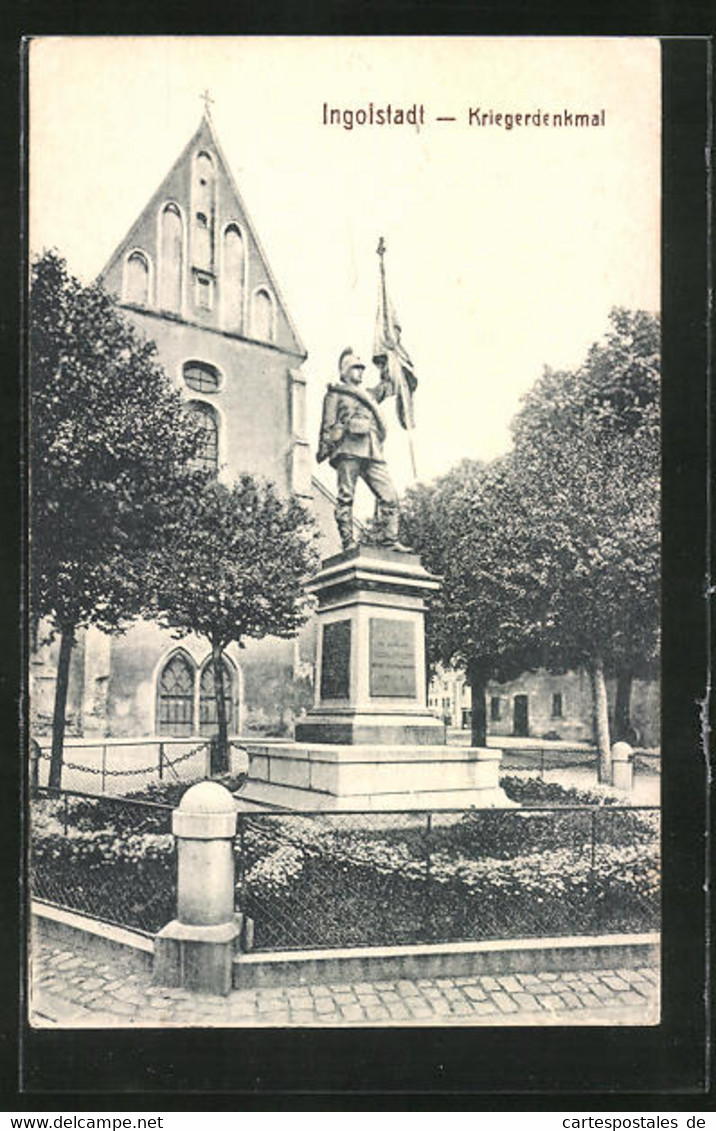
352 437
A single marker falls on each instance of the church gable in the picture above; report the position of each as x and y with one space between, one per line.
193 254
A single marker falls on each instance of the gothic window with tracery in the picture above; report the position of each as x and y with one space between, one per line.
175 697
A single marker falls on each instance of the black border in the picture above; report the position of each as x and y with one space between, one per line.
460 1069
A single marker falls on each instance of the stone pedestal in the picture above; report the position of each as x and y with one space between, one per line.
369 741
370 661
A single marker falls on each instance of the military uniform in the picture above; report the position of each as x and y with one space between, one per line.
352 436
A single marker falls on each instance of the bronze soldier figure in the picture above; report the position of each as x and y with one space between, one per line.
352 436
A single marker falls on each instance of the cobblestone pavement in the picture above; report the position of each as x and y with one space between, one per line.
73 990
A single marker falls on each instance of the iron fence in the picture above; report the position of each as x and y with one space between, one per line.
352 879
104 856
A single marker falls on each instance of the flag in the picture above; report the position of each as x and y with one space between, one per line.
390 355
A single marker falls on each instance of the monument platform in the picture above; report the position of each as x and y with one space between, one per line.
305 776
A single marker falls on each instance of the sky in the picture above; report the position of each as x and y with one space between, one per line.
506 248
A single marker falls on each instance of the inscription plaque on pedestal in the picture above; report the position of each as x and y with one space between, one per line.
336 660
392 658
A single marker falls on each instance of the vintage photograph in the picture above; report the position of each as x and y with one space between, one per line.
344 454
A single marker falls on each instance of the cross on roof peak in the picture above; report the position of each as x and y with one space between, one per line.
207 100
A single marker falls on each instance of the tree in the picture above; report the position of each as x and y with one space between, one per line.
232 564
471 528
586 447
109 438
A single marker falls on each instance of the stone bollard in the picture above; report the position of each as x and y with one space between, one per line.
622 766
195 951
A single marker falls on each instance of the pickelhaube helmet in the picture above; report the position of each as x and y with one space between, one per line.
348 360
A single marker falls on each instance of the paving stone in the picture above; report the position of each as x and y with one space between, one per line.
433 993
408 990
279 1017
614 982
124 1008
510 983
589 976
325 1005
368 999
475 993
380 986
398 1010
548 976
549 1001
377 1013
504 1002
590 1001
649 973
442 982
490 983
570 1000
631 997
93 983
454 993
364 987
460 1007
424 982
526 1001
269 1004
463 980
302 1016
572 976
353 1012
602 992
484 1007
418 1008
390 997
345 997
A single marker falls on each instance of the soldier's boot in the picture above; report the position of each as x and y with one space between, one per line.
389 531
344 522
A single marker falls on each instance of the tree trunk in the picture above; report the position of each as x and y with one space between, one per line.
220 747
478 691
622 705
58 718
600 716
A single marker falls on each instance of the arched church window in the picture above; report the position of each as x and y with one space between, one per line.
202 377
208 454
207 700
262 319
136 280
204 183
175 696
172 235
233 280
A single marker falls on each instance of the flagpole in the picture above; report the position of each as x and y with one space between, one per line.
380 250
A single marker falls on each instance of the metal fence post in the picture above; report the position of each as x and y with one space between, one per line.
541 763
65 816
104 765
161 761
427 908
592 867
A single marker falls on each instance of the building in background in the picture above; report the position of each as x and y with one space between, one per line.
192 276
539 704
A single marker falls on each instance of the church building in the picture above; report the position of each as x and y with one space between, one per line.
192 276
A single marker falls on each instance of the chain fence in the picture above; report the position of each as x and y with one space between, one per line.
111 767
104 856
351 879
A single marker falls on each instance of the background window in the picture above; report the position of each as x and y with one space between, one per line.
176 697
557 705
171 266
201 377
208 455
233 280
136 287
495 708
262 320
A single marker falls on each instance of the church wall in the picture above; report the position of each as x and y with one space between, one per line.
253 400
